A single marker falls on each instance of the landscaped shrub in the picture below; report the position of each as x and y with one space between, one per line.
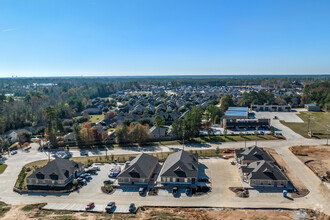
107 188
21 178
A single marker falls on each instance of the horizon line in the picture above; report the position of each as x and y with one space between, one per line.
169 75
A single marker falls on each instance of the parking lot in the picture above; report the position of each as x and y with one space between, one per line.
97 180
285 116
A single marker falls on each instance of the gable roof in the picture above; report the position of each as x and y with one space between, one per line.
264 170
180 164
141 166
62 168
253 153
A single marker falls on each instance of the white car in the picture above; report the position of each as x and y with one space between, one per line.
13 152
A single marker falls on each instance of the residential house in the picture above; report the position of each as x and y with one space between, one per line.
251 154
263 173
271 108
312 107
56 173
69 138
157 132
180 168
92 111
139 170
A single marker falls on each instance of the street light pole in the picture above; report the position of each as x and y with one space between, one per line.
308 132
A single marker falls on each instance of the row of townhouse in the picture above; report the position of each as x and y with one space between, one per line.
258 168
180 168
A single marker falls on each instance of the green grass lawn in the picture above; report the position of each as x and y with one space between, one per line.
3 168
96 118
318 124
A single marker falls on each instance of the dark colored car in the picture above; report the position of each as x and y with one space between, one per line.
89 206
108 182
142 190
83 153
188 191
132 208
91 171
175 191
110 206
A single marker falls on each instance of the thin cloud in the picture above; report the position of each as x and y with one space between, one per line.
9 29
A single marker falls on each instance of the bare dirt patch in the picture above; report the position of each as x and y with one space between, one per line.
240 191
16 212
317 158
296 182
228 153
223 214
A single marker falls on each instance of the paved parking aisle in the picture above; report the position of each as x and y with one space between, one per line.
81 207
121 209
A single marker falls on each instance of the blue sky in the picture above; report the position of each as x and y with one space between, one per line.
163 37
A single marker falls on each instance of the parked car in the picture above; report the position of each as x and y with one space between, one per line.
83 153
89 206
96 168
142 190
81 181
188 191
261 132
108 182
91 171
114 172
86 176
13 152
110 206
132 208
175 191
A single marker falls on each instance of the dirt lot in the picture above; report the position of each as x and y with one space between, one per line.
20 212
298 184
317 158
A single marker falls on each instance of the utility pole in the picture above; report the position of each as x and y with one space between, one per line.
328 130
256 131
308 131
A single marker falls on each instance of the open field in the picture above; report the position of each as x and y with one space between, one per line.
96 118
35 212
318 124
317 158
290 173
